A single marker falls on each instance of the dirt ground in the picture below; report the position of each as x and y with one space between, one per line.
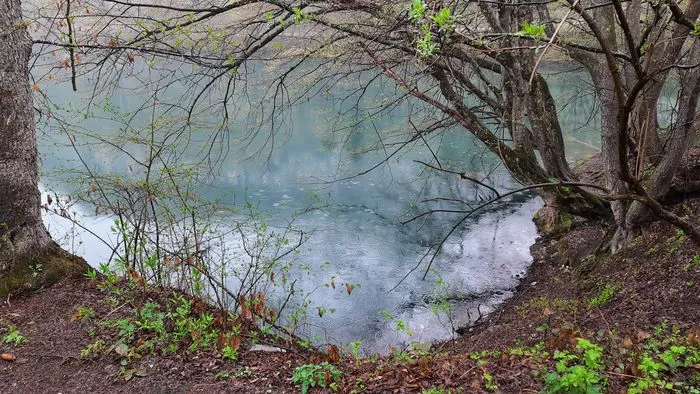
617 301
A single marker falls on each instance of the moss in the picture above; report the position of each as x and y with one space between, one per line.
583 160
566 221
552 221
40 272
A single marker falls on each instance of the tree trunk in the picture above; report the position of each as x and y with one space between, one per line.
547 129
27 253
682 135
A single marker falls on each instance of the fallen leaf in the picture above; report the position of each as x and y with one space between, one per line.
121 348
235 342
135 276
8 357
333 353
349 287
641 335
627 342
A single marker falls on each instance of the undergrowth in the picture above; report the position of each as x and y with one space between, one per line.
142 322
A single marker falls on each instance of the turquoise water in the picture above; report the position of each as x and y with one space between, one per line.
322 148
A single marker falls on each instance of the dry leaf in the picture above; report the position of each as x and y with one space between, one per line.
135 277
235 342
8 357
627 343
333 353
641 335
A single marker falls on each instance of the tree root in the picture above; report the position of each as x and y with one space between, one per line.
40 272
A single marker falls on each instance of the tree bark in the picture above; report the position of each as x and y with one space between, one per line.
547 130
682 136
26 249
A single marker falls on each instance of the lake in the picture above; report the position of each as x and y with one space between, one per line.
323 145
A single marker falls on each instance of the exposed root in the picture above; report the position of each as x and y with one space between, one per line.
43 271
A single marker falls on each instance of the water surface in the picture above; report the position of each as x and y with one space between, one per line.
356 232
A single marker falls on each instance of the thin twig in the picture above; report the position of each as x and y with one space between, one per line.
551 41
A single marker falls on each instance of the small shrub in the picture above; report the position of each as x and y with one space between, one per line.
317 375
577 373
83 313
14 336
605 295
96 348
229 353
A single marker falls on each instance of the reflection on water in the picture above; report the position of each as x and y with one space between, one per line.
359 232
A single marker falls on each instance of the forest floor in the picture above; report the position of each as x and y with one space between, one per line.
579 323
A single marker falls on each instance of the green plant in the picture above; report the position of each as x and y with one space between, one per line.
537 351
577 373
440 302
605 295
36 268
693 264
696 29
298 15
479 357
97 347
402 326
489 381
434 390
14 336
532 30
425 44
665 353
223 375
674 242
83 313
229 353
244 372
444 19
417 9
126 328
355 349
150 318
400 355
91 274
317 375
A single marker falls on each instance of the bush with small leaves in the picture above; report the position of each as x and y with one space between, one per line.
317 375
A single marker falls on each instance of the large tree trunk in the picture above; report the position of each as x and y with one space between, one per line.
27 253
682 136
547 130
